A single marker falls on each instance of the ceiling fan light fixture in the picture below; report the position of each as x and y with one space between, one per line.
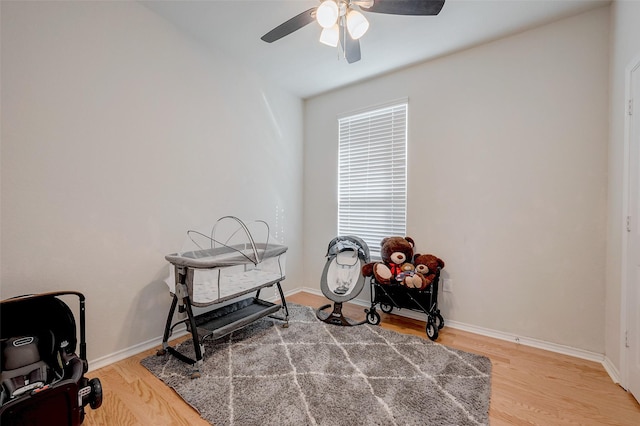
339 16
357 24
327 13
330 36
364 3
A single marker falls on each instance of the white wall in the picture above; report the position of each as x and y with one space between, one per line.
507 177
118 135
625 47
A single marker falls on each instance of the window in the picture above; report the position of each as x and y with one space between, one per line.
372 174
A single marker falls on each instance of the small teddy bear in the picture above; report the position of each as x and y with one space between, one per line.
407 271
427 267
396 254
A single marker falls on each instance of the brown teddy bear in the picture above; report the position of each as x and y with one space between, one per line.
427 266
396 254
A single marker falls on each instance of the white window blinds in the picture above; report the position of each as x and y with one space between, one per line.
372 175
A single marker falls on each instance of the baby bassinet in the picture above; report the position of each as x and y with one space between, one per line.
43 380
221 266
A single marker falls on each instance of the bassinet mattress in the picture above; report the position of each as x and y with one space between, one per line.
221 274
207 291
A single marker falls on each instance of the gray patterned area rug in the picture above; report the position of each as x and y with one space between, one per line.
314 373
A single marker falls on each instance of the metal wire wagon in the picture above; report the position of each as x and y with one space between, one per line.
396 296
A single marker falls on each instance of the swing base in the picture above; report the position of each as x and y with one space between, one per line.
336 317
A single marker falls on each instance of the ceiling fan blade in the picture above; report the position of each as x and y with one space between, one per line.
407 7
350 47
290 26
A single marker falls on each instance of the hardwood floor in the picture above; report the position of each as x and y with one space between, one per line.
529 386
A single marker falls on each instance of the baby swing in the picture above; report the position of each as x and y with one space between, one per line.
341 278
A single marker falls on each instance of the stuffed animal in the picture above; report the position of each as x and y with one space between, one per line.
405 277
427 266
396 254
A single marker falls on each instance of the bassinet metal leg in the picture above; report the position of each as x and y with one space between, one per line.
182 296
167 328
284 305
194 334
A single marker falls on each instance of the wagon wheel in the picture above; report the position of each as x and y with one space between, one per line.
373 318
386 308
432 330
439 321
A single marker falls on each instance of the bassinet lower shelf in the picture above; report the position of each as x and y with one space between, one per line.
222 321
218 322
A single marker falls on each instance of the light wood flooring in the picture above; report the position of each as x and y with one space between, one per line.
529 386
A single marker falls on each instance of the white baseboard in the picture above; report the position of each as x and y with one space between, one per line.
106 360
535 343
316 292
611 369
526 341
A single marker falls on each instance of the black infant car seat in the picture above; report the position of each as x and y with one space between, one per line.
41 378
22 368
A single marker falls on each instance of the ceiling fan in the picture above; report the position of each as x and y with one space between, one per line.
342 21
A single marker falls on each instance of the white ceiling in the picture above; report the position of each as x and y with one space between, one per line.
305 67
